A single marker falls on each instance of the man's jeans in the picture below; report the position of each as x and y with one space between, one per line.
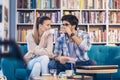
62 67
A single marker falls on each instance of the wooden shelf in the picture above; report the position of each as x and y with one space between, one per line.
89 14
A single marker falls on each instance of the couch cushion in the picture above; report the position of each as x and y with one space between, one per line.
24 49
99 54
114 53
22 73
9 65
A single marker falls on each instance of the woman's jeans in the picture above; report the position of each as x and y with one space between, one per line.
38 65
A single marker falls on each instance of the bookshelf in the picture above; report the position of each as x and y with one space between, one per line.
4 19
98 17
114 22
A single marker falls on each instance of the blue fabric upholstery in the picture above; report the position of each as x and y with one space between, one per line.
14 69
104 55
9 68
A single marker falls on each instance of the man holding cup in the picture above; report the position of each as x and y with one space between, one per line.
71 48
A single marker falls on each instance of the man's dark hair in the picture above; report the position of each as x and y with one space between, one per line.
41 19
71 19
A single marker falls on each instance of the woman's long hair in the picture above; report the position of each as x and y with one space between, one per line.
39 20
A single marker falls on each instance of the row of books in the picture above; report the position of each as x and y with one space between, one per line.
93 17
82 28
76 13
114 17
68 4
25 17
38 4
86 16
22 32
98 35
54 15
114 4
114 35
84 4
89 16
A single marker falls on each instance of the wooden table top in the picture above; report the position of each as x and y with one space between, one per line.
97 71
76 77
104 69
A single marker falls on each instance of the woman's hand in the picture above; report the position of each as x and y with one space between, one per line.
45 34
28 55
43 39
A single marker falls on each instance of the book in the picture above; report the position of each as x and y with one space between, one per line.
97 67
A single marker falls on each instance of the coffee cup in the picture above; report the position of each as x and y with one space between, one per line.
53 72
52 31
69 73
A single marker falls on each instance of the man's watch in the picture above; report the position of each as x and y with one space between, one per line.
72 34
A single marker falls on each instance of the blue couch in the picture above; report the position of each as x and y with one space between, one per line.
104 55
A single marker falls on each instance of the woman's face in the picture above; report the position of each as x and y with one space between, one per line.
45 26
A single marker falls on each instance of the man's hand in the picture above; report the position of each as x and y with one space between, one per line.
68 30
72 60
63 59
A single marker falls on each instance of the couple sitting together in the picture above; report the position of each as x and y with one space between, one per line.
70 47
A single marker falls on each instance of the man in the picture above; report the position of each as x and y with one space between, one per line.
71 48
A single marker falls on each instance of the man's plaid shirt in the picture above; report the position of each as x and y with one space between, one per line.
62 48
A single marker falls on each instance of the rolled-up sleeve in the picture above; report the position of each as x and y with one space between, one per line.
85 44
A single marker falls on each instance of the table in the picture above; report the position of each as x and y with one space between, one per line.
76 77
100 69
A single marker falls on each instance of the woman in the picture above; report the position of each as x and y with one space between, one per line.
39 43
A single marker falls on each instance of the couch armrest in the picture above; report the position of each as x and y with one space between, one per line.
9 66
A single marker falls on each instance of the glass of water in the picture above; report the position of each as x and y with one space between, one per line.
53 72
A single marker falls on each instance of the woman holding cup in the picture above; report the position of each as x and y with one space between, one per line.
40 44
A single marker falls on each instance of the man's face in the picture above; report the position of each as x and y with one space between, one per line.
64 25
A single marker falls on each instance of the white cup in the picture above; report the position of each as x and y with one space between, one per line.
53 72
69 73
52 31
